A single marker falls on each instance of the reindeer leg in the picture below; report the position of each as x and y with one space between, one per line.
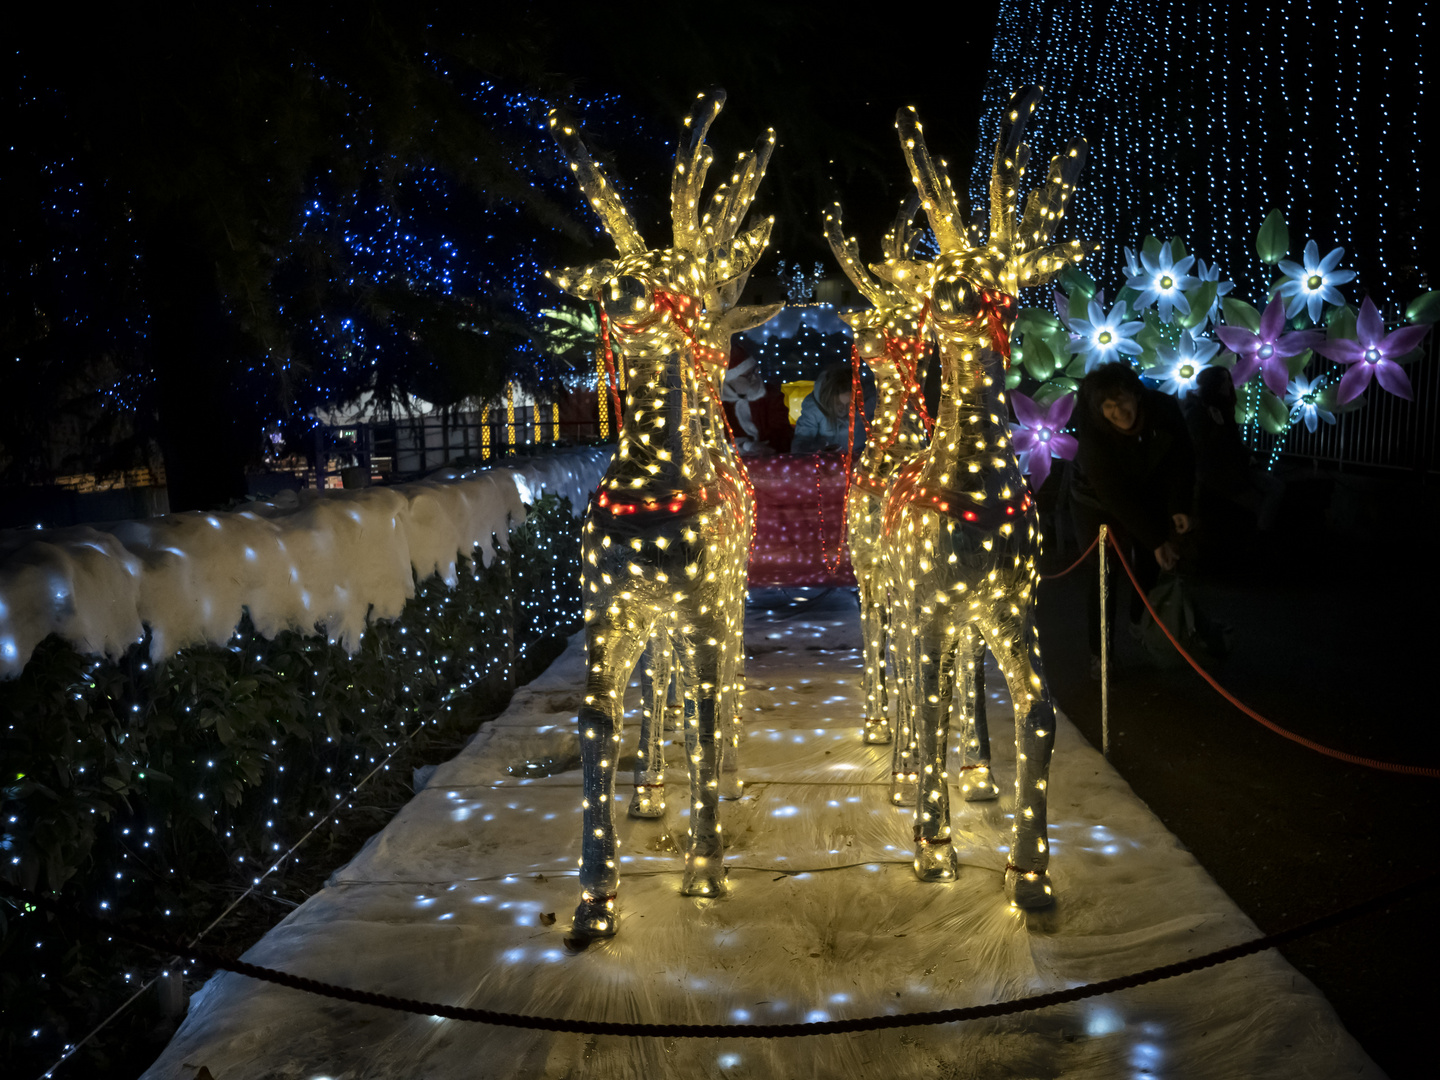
675 713
1027 881
934 688
874 625
905 757
649 798
700 652
611 651
731 786
976 782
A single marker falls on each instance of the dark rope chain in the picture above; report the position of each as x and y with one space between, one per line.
727 1031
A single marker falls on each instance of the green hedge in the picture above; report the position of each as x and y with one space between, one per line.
158 792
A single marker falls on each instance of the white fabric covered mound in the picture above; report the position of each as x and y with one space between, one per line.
312 561
825 920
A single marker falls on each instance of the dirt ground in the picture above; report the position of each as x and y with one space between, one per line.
1333 639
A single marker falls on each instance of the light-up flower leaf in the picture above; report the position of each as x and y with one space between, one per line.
1373 355
1311 286
1102 338
1273 241
1425 308
1162 281
1307 400
1179 367
1267 348
1038 434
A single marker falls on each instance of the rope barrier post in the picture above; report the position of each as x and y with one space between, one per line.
1102 543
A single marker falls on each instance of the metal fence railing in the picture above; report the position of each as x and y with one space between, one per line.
1389 432
406 446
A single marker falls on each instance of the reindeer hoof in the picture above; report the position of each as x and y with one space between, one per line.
904 788
648 801
704 877
731 787
977 785
935 861
877 732
1028 890
596 917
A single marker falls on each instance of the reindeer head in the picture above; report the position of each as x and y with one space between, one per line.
671 299
896 313
971 287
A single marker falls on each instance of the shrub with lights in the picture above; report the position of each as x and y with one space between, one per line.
159 791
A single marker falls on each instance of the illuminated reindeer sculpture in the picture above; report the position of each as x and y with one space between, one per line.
723 318
888 339
665 535
961 533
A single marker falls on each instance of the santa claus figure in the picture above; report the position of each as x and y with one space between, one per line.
759 417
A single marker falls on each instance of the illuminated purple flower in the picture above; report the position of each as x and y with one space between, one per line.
1038 434
1373 355
1268 349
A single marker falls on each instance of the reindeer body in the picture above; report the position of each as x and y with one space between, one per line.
666 535
960 531
888 339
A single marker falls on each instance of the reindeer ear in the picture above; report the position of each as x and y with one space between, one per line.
910 277
584 281
745 317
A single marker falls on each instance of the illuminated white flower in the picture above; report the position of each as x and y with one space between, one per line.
1303 396
1205 273
1102 338
1181 366
1162 281
1310 287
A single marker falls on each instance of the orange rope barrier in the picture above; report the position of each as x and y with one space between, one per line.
1075 564
1319 748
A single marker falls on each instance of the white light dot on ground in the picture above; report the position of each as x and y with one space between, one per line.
824 920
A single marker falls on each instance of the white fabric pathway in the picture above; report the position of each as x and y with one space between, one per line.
824 919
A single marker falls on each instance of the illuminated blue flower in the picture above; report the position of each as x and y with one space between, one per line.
1181 366
1163 281
1102 338
1311 286
1301 396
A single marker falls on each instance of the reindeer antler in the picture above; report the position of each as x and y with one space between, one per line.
692 163
1043 212
937 195
900 239
897 246
1023 242
847 254
601 192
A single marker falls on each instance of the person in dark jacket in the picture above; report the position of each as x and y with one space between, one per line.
1134 472
1226 467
